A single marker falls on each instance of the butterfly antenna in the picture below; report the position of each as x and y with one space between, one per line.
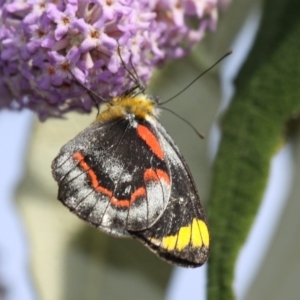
186 121
193 81
91 93
133 75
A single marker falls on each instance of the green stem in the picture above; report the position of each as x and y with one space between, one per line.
253 130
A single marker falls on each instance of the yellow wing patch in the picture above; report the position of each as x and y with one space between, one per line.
195 234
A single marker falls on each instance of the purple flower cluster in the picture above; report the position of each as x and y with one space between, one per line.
48 47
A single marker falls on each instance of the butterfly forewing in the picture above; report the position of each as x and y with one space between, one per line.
110 177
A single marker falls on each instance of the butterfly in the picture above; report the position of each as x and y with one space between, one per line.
124 175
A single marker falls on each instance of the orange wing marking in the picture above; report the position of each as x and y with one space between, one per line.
95 183
140 192
151 140
156 175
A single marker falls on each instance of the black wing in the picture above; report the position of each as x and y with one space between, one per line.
180 236
110 176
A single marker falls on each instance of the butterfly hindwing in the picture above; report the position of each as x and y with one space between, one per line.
114 175
180 236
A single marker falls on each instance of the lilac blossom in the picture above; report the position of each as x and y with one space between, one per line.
49 49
